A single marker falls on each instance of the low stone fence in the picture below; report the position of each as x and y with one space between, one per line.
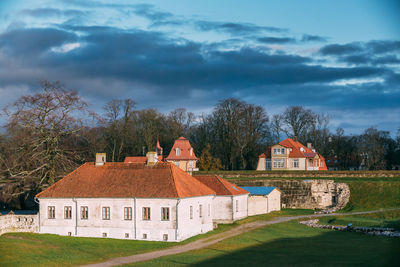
367 230
18 223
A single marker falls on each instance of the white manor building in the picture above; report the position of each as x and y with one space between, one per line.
142 201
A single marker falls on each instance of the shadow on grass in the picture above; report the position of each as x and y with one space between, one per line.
327 249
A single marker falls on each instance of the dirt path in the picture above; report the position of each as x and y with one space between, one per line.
202 243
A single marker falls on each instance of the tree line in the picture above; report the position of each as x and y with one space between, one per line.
50 133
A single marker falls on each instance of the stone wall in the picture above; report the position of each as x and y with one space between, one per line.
18 223
305 194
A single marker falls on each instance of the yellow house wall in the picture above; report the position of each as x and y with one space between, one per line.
279 156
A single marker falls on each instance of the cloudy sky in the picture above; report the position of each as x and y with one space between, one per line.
337 57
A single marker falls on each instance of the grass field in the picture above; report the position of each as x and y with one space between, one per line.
367 195
291 244
23 249
384 219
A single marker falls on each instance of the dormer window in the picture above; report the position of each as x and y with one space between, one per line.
279 151
191 152
178 152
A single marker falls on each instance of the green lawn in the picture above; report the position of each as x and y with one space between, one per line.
25 249
289 244
383 219
367 195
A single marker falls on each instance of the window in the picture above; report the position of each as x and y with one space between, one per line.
178 151
104 234
279 163
146 214
126 235
165 237
191 212
84 213
165 214
295 163
67 212
321 164
209 208
144 236
51 212
127 213
106 213
279 151
200 210
237 205
191 151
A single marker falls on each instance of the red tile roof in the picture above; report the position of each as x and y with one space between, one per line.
221 186
184 145
298 151
139 159
117 179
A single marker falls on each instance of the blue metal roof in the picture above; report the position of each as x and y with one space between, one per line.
258 190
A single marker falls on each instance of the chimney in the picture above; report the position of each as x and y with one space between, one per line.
151 158
309 145
100 159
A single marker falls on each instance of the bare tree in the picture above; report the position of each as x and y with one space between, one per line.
296 121
119 114
41 127
276 128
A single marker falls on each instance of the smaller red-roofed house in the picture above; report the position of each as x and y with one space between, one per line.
230 202
182 155
291 155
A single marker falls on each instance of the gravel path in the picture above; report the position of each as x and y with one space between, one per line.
205 242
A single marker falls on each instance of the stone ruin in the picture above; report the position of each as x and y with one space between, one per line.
383 231
18 223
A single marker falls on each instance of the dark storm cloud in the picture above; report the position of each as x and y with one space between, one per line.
276 40
235 28
375 52
313 38
384 46
337 49
154 59
31 42
116 63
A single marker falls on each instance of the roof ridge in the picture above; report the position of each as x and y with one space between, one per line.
173 179
219 180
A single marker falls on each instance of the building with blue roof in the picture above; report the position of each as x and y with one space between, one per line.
263 199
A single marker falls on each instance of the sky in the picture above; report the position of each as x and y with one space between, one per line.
340 58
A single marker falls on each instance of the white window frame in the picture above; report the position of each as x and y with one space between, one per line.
51 212
178 151
128 213
279 151
84 212
105 213
279 163
295 163
191 212
67 212
164 213
146 214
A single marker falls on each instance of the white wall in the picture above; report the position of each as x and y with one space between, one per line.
261 165
117 227
265 204
222 212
